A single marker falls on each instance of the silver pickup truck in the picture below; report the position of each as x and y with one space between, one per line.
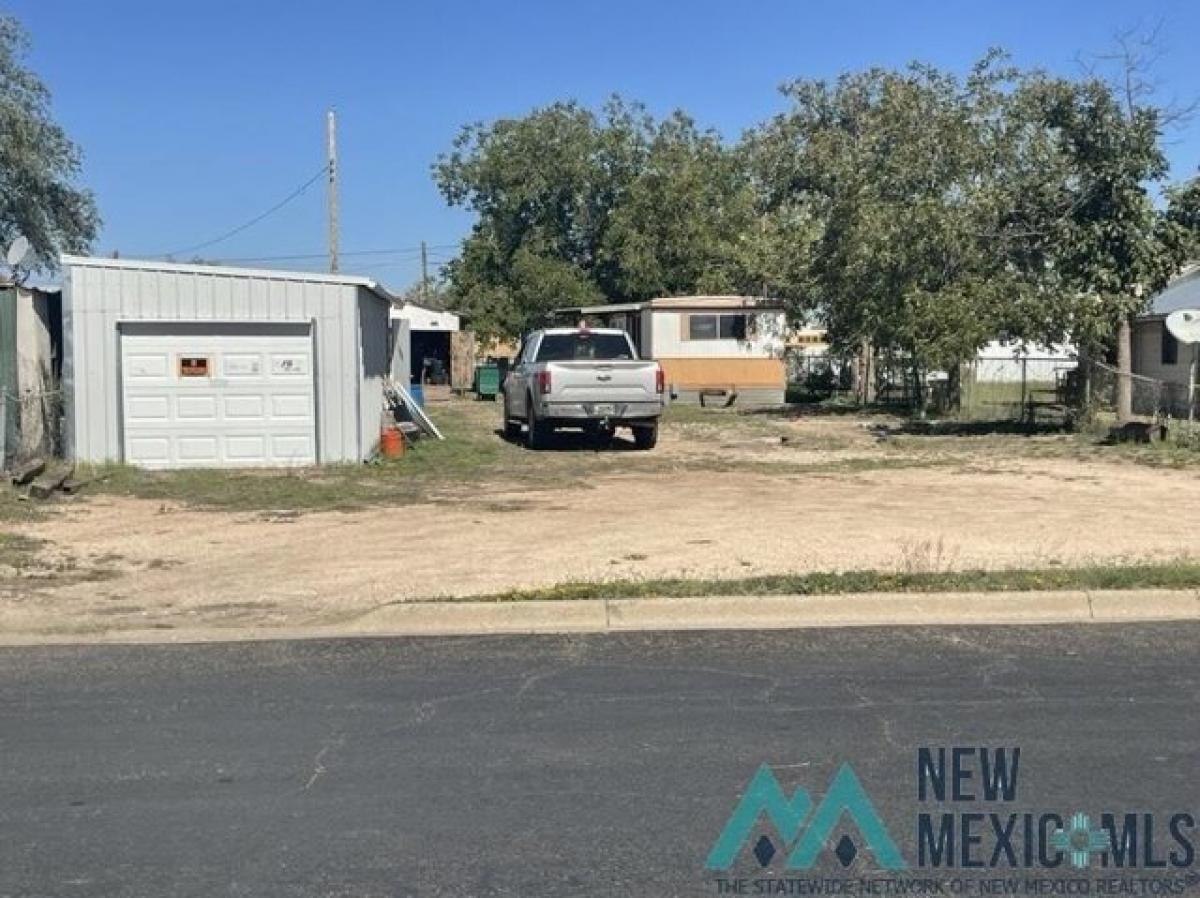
581 377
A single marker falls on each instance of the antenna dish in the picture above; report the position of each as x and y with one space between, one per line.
18 252
1184 325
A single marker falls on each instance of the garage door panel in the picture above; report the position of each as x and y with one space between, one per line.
291 365
198 449
299 446
150 450
240 400
196 408
291 407
148 408
246 448
241 365
142 365
245 407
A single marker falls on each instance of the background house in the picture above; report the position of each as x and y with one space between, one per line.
1157 355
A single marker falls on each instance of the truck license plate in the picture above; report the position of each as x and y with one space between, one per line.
604 408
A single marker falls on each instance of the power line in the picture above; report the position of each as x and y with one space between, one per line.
414 251
221 239
325 255
408 263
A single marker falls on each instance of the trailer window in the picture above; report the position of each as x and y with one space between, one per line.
584 345
733 327
702 327
716 327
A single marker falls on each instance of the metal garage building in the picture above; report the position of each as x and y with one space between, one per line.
173 366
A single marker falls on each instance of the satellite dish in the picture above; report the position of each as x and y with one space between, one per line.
1184 325
17 252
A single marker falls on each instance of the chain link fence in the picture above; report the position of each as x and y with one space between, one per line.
1026 389
1001 388
815 377
1152 398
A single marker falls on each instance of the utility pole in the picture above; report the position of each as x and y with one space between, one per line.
331 153
424 275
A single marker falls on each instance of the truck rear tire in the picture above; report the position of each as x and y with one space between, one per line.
645 437
537 434
512 427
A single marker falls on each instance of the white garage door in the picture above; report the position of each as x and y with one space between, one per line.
217 396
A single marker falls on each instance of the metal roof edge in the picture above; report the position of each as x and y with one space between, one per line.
713 300
678 302
601 307
229 271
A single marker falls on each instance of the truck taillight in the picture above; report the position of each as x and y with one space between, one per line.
660 380
543 382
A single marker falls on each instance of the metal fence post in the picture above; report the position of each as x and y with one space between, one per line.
1026 409
1192 390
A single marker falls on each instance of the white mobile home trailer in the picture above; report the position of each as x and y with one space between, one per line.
706 344
173 366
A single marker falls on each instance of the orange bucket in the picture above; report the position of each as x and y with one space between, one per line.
391 442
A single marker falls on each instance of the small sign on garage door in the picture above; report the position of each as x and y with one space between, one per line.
193 366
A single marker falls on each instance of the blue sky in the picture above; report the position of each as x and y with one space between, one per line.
195 117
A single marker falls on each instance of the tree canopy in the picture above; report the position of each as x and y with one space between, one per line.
574 207
914 209
38 163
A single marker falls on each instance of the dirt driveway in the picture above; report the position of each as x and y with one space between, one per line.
744 496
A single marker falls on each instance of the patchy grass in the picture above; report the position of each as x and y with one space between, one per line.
18 552
1090 446
468 453
1166 575
1001 400
472 453
26 566
474 458
15 508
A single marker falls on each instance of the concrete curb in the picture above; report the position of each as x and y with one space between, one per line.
465 617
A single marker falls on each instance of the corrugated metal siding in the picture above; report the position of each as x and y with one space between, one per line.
96 299
374 323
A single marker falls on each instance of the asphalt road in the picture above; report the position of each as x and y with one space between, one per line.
546 766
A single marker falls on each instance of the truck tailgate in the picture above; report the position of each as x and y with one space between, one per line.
607 381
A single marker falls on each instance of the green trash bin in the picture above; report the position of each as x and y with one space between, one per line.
487 380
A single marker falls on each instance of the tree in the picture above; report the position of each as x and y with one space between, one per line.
574 208
1112 246
683 221
897 184
38 163
1116 246
544 188
944 211
433 293
1183 219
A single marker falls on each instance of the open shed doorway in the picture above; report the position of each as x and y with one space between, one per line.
430 357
